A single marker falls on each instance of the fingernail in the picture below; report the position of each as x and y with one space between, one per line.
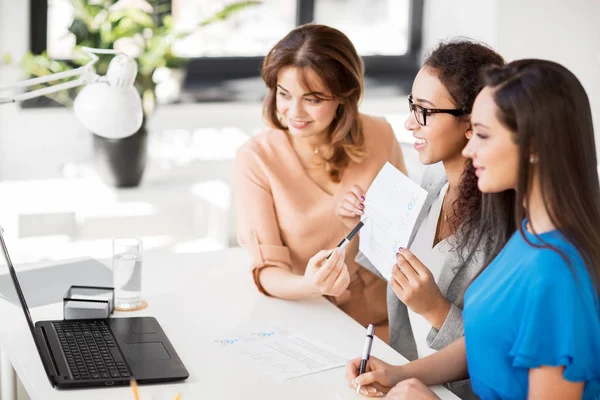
359 212
400 249
398 252
362 198
372 390
379 394
361 206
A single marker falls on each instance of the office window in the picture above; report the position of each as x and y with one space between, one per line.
364 20
60 16
249 33
387 33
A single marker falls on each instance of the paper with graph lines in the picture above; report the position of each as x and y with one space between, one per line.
283 354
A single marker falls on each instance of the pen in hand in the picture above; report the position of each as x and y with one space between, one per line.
345 241
366 352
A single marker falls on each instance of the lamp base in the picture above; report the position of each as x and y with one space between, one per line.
121 162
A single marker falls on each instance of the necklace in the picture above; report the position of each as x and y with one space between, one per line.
308 164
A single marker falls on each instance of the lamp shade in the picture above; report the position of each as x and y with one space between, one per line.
112 107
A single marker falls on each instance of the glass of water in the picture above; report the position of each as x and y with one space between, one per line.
127 272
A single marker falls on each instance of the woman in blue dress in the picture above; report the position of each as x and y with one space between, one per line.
532 316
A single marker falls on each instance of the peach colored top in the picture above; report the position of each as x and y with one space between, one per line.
284 218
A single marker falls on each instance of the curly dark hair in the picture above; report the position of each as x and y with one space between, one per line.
459 64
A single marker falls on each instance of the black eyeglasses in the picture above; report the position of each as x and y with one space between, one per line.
421 113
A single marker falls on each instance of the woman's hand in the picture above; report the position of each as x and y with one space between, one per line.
412 389
352 206
415 286
327 276
378 379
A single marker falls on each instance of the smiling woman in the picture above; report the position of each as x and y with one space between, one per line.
289 178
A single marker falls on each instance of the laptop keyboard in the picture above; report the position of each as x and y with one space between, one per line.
90 350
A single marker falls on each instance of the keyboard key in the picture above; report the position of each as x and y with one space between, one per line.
90 351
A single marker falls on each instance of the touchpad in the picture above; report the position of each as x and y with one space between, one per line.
148 351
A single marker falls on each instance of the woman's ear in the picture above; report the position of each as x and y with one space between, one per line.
469 132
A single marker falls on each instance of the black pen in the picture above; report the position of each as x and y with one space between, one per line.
366 352
345 241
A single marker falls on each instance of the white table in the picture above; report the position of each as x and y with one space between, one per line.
196 298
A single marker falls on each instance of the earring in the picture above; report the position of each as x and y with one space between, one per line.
533 159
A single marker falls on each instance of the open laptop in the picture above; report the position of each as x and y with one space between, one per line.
97 353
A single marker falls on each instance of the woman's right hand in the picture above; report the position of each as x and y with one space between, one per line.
328 276
379 378
352 206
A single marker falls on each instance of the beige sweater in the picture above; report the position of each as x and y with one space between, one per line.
284 218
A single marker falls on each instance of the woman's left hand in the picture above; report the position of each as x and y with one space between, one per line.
412 389
415 286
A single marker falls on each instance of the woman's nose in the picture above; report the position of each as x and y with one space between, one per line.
468 151
296 109
411 124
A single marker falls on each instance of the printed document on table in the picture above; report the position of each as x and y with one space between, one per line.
393 203
284 354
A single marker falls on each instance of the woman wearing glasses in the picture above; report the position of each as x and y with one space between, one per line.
448 245
532 316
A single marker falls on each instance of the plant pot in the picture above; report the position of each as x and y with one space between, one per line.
121 162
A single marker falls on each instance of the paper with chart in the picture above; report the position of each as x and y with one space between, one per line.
393 204
283 354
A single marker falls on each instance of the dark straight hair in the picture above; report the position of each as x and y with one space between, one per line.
548 110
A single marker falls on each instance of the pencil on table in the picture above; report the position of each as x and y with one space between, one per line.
134 388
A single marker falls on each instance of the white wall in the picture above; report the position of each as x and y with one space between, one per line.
567 32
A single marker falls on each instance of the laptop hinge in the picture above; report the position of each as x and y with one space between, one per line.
45 352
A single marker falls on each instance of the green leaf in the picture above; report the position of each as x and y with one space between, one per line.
80 30
136 16
228 10
82 12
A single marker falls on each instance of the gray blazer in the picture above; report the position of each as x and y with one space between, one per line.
453 280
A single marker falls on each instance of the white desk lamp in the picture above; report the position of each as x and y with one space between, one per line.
108 106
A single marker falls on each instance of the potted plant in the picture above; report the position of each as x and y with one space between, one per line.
135 28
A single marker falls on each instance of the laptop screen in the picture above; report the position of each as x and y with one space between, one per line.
13 275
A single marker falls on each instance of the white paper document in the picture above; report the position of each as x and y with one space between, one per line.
393 204
284 354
